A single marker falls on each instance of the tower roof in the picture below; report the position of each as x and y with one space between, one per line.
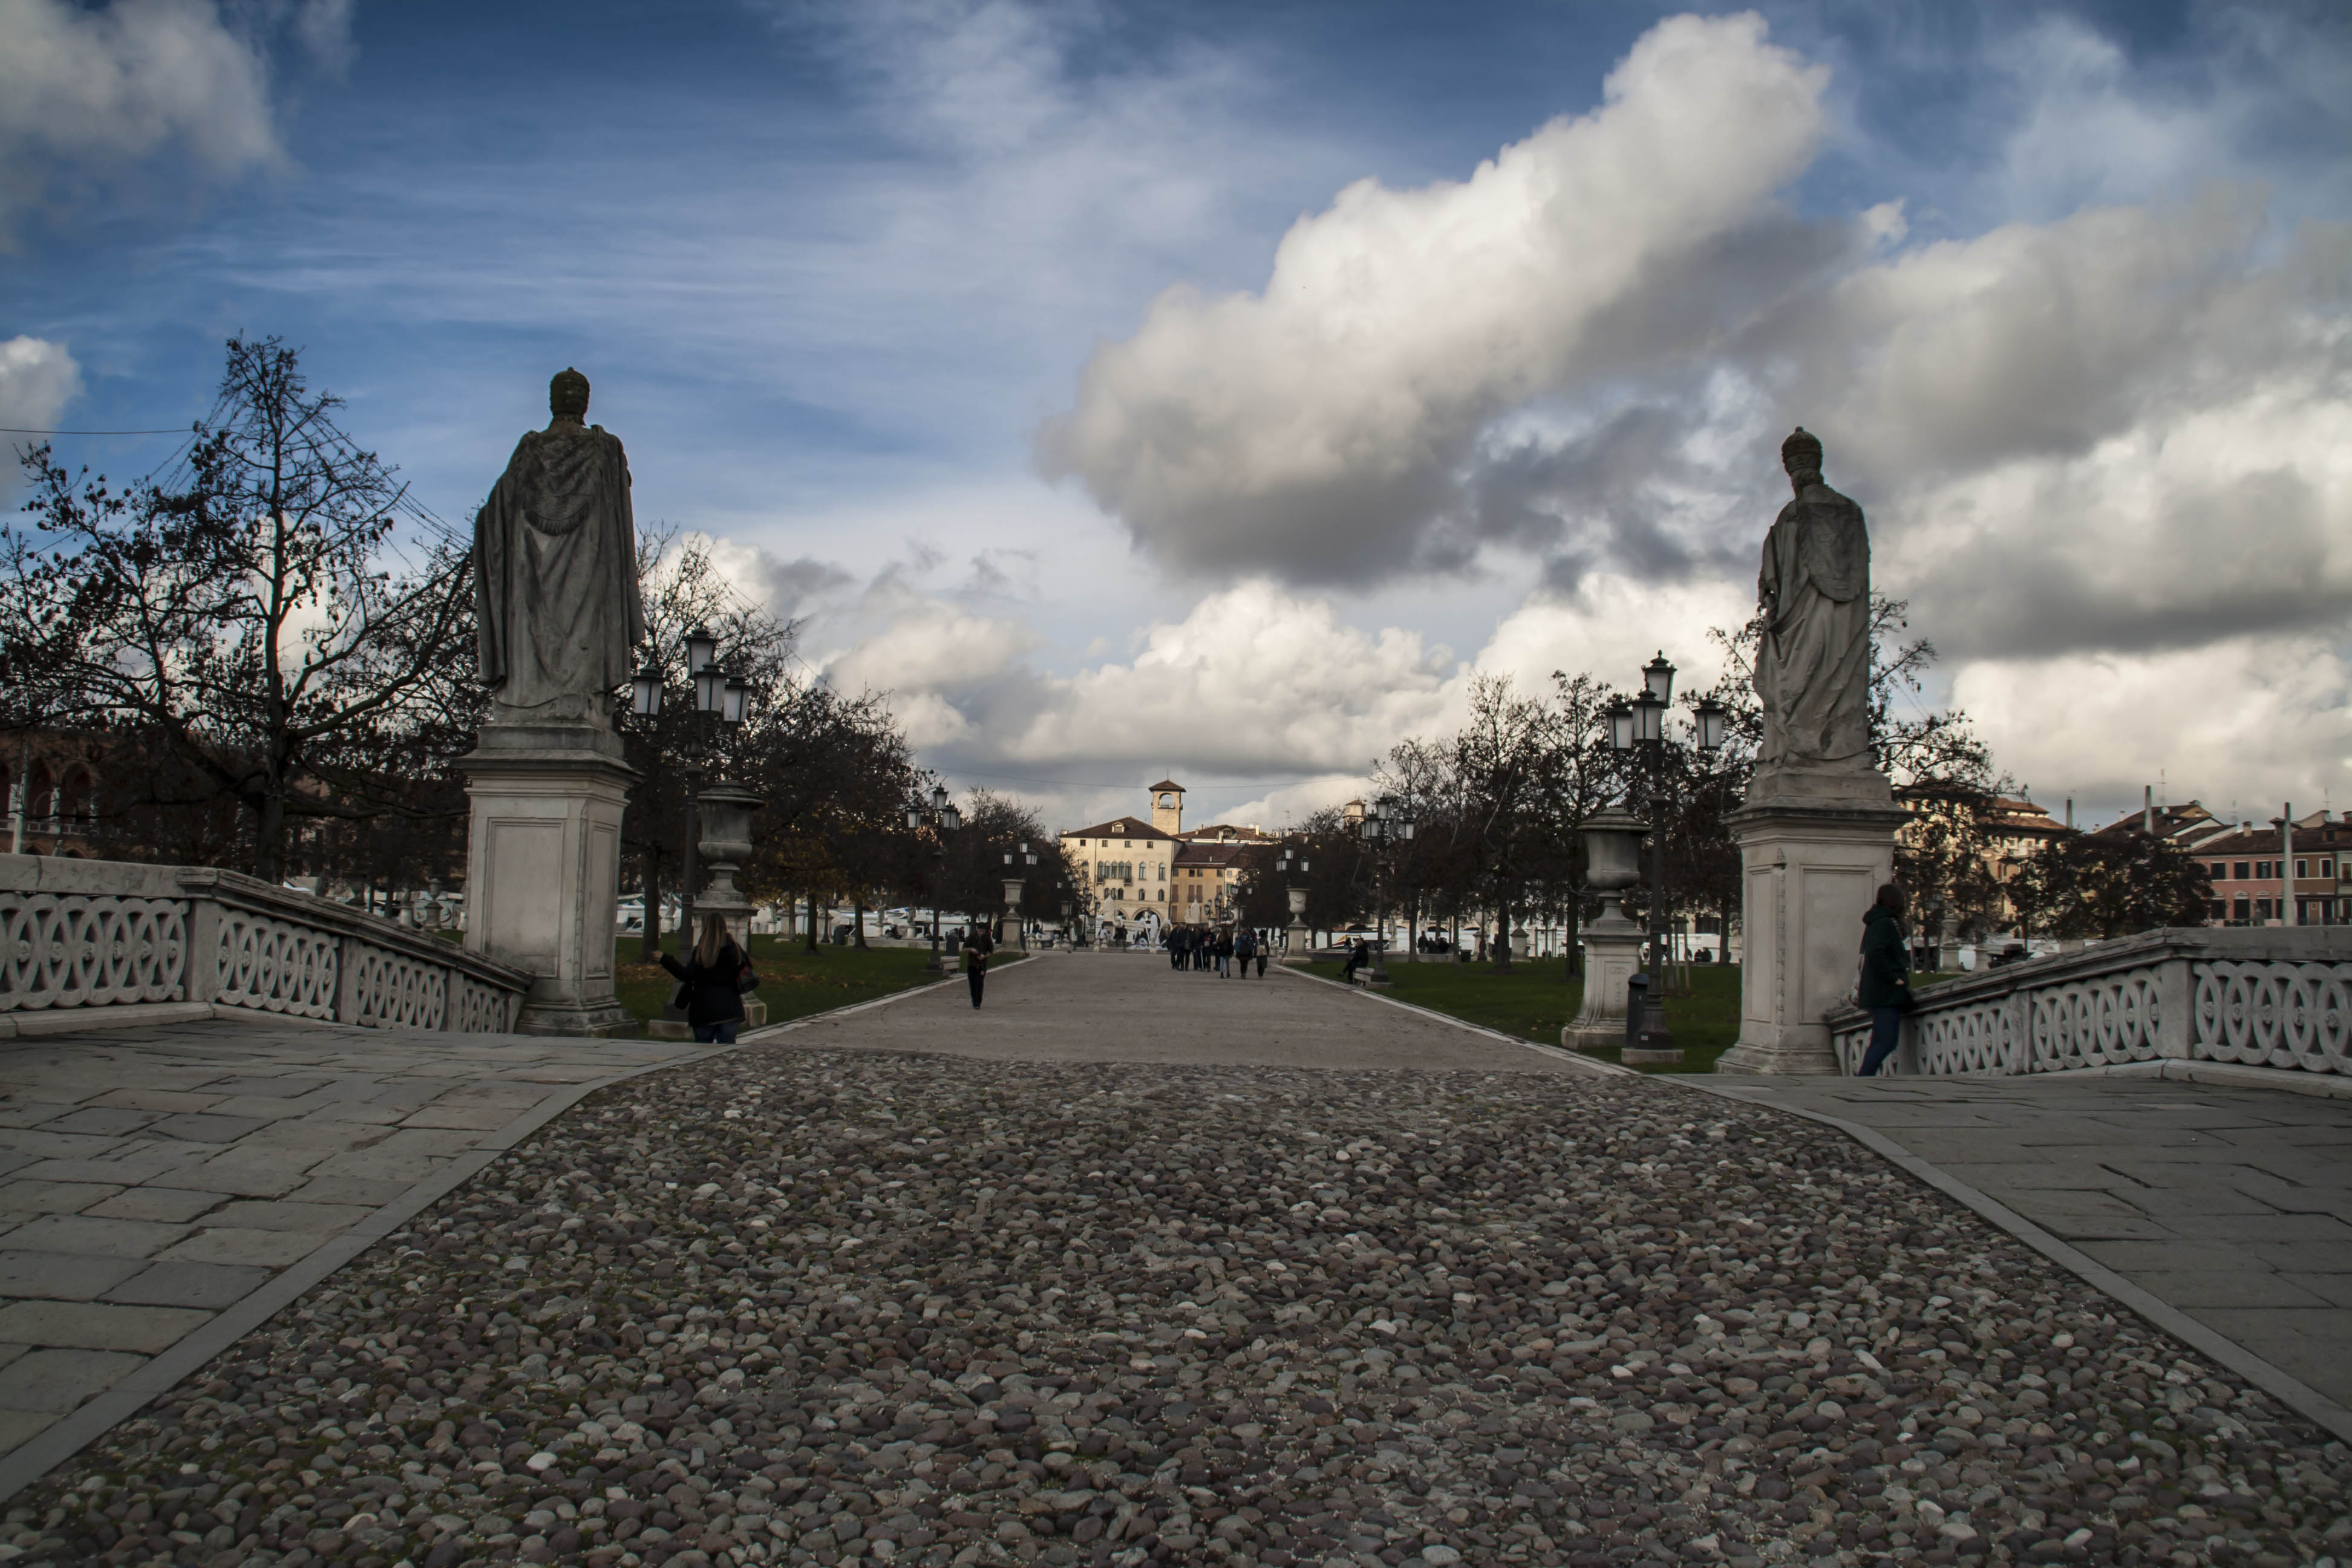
1165 784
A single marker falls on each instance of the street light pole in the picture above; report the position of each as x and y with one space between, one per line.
942 818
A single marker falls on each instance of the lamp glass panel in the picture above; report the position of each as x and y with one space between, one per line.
954 818
707 686
1620 728
700 648
1658 678
646 692
737 698
1710 726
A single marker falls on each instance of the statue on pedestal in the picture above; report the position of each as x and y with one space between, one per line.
1817 834
1812 662
555 586
555 571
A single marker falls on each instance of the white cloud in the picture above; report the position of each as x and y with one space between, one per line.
1316 427
2247 722
84 93
38 379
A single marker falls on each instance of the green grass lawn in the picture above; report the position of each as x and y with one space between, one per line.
793 981
1534 1002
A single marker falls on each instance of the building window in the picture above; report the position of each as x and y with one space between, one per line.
2299 868
2216 909
2242 870
2262 909
2261 868
2244 911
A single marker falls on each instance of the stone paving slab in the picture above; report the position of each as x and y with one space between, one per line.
2233 1205
131 1218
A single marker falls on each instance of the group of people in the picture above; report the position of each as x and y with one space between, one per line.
1220 948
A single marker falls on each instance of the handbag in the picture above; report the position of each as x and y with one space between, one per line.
746 982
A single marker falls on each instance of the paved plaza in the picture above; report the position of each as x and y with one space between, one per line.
1139 1266
154 1178
2232 1205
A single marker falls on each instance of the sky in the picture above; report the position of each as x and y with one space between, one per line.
1215 390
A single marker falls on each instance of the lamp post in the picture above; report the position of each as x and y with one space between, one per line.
942 817
1017 858
1297 939
718 696
1640 726
1381 828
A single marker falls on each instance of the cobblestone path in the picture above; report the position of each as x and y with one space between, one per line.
827 1305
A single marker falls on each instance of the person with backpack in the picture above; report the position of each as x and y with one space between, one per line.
1244 949
711 983
1884 987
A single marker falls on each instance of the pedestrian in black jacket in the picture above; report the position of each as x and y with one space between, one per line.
977 945
1882 987
712 976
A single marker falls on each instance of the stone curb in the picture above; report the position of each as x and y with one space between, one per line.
2306 1400
2289 1390
44 1452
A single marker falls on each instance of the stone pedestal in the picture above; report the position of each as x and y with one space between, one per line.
543 867
1809 866
1613 954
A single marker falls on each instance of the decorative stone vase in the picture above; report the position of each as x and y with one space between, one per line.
724 813
1613 943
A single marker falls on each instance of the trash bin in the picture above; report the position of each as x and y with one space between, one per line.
1637 1009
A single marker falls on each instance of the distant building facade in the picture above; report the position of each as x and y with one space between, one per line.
1158 874
2253 884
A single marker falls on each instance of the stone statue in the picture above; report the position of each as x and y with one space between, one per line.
1812 663
555 571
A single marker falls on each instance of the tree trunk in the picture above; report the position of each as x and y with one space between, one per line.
650 947
859 904
811 922
1502 933
268 839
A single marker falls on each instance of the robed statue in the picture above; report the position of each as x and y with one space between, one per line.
1812 662
555 571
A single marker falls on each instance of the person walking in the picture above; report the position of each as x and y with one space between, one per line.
1883 986
977 946
1245 947
1176 947
1225 954
713 979
1263 943
1358 952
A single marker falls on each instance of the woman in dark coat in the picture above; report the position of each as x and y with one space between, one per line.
712 976
1882 988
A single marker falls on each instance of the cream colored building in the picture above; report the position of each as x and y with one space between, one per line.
1158 869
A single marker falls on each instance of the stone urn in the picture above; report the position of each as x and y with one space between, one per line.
1613 943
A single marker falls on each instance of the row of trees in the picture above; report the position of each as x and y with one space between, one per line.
1499 806
265 652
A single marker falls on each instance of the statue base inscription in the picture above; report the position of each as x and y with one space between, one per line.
1810 867
543 867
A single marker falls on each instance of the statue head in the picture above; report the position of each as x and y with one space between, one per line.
1801 455
567 397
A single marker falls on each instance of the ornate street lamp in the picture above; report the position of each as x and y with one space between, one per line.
1381 828
942 816
1641 726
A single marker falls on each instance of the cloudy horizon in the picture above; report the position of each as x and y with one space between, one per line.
1133 391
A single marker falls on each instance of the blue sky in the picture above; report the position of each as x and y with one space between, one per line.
839 274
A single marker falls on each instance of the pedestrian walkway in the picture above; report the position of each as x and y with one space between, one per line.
162 1189
1131 1008
2233 1205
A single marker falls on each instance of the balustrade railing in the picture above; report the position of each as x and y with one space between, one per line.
97 933
2278 997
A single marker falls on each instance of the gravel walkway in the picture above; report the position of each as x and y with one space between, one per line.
793 1306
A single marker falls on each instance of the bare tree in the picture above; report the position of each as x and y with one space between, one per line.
271 610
